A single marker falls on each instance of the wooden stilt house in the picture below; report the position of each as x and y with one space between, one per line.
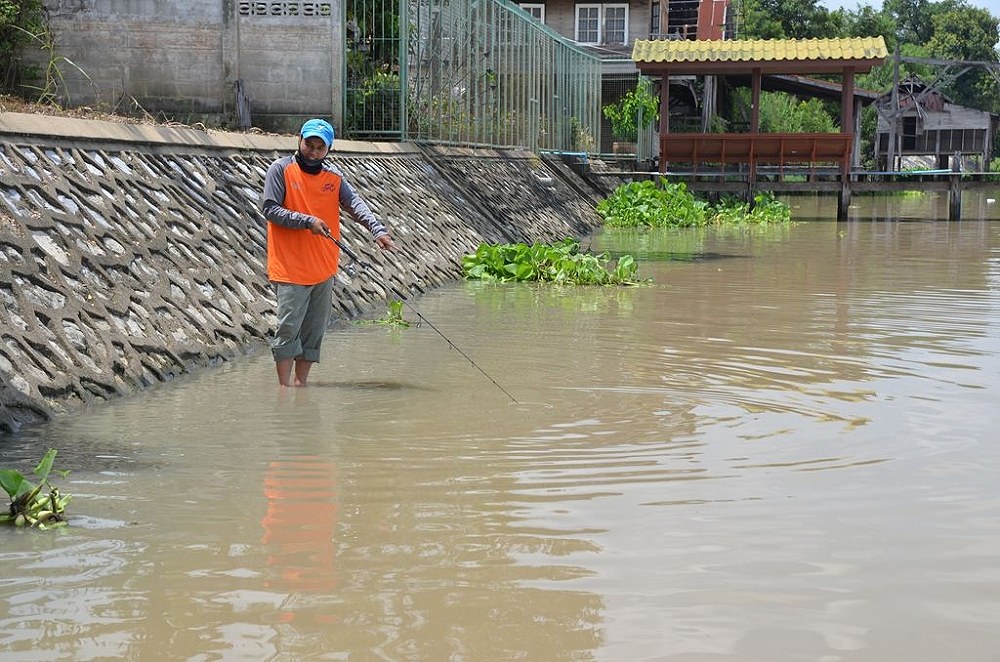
918 120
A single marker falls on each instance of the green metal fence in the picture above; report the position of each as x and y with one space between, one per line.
374 94
473 72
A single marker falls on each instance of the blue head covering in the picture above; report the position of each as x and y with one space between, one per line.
320 129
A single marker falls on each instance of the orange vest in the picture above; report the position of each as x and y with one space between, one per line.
297 255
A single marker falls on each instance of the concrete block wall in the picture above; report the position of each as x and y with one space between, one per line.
181 60
134 254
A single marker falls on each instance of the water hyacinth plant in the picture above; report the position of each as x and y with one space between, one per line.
661 203
653 204
393 315
764 210
40 506
559 262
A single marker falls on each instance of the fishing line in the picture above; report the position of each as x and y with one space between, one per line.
388 288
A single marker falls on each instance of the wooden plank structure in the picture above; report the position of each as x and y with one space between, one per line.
772 148
916 118
757 58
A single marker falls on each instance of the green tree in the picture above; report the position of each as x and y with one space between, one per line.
964 33
788 19
968 33
868 22
913 19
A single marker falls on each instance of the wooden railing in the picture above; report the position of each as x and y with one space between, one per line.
699 149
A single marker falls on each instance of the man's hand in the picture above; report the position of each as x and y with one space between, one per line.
385 242
317 226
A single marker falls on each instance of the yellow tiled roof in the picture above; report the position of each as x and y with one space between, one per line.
758 50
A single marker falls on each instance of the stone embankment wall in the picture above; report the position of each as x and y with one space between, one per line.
133 254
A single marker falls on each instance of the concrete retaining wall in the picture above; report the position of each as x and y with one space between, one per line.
183 58
133 254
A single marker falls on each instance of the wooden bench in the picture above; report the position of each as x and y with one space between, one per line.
756 148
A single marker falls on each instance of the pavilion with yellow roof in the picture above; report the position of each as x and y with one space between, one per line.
756 58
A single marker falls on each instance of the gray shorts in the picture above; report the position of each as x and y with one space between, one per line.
303 316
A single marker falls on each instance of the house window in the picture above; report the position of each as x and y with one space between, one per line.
615 24
588 24
602 24
654 19
537 11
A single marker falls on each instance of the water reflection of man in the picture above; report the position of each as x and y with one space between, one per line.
300 522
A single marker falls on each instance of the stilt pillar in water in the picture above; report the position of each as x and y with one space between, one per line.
844 199
955 189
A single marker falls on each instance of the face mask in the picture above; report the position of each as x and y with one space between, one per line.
309 165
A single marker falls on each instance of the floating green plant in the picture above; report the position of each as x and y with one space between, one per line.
661 203
765 210
393 315
560 262
648 203
40 506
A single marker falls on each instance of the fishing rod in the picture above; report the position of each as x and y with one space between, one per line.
389 288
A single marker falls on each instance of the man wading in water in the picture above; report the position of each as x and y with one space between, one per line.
303 195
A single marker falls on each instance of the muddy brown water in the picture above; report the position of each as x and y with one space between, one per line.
786 448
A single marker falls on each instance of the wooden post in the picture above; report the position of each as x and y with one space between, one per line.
846 126
844 199
664 116
955 189
847 101
754 129
893 116
856 142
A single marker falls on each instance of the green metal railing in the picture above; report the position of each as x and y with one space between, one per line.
473 72
373 62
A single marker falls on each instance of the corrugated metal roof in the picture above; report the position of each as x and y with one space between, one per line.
758 50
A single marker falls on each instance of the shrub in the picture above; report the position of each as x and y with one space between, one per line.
19 21
638 104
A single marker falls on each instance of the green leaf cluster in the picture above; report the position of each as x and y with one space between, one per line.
560 262
652 203
662 203
784 113
393 316
787 19
765 210
19 20
637 109
29 504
